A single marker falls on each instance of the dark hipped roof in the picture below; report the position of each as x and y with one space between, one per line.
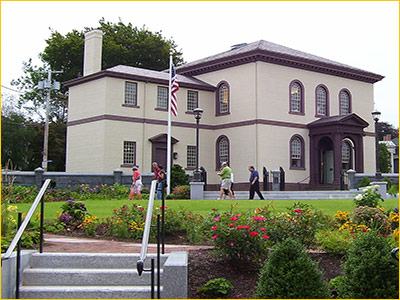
138 74
276 54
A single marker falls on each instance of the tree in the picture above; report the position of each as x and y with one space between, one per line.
122 44
385 128
385 164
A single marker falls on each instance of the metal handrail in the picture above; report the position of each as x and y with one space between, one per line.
146 231
28 217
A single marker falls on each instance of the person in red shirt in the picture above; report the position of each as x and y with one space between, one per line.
156 170
136 187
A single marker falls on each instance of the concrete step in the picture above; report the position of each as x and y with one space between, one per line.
85 292
90 260
288 195
85 277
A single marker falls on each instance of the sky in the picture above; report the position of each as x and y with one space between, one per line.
362 34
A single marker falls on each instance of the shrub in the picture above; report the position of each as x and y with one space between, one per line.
372 217
240 238
300 221
369 197
393 190
182 192
289 273
126 222
389 182
364 182
178 176
73 212
335 242
370 272
217 287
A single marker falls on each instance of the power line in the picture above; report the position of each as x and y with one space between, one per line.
3 86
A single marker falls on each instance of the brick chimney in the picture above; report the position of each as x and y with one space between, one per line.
93 49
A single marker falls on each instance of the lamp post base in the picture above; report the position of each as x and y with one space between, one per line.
196 190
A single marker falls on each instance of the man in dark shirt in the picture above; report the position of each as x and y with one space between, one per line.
254 183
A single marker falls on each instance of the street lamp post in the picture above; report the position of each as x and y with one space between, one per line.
375 115
197 115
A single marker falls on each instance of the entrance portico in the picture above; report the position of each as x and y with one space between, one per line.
335 143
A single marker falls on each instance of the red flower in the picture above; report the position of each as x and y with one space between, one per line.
253 233
231 243
215 236
115 209
265 236
351 232
234 218
380 234
298 211
263 229
364 230
240 227
214 227
231 225
246 227
141 208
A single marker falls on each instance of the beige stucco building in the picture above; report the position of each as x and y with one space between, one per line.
264 105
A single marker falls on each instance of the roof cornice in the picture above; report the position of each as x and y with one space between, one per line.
113 74
279 59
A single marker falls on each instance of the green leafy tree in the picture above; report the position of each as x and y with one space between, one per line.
385 164
385 128
178 176
122 44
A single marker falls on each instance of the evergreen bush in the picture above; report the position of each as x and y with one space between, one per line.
364 182
178 176
369 271
289 273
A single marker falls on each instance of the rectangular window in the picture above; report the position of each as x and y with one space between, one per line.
129 153
131 93
162 97
192 100
191 156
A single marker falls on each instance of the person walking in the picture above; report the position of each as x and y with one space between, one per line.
156 170
136 187
225 174
254 183
161 185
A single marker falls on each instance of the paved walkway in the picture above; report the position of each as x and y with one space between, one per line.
57 243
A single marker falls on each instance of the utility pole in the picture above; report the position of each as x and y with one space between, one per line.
48 86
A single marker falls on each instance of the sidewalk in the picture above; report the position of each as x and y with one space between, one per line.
57 243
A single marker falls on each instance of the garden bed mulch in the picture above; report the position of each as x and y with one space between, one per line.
204 266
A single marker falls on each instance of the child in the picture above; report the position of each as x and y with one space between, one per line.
136 187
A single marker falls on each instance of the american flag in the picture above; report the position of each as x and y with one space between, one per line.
174 89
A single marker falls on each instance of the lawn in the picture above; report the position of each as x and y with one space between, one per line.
104 208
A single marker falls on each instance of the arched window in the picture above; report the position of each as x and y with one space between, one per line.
344 102
321 101
346 155
222 151
222 101
296 97
297 152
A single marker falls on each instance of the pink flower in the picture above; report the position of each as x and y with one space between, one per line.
214 227
215 236
216 219
253 233
246 227
123 208
231 243
240 227
234 218
231 225
298 211
259 218
265 236
238 296
263 229
141 208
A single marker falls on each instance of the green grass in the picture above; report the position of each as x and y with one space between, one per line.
104 208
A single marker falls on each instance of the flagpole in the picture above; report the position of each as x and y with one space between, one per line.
169 127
